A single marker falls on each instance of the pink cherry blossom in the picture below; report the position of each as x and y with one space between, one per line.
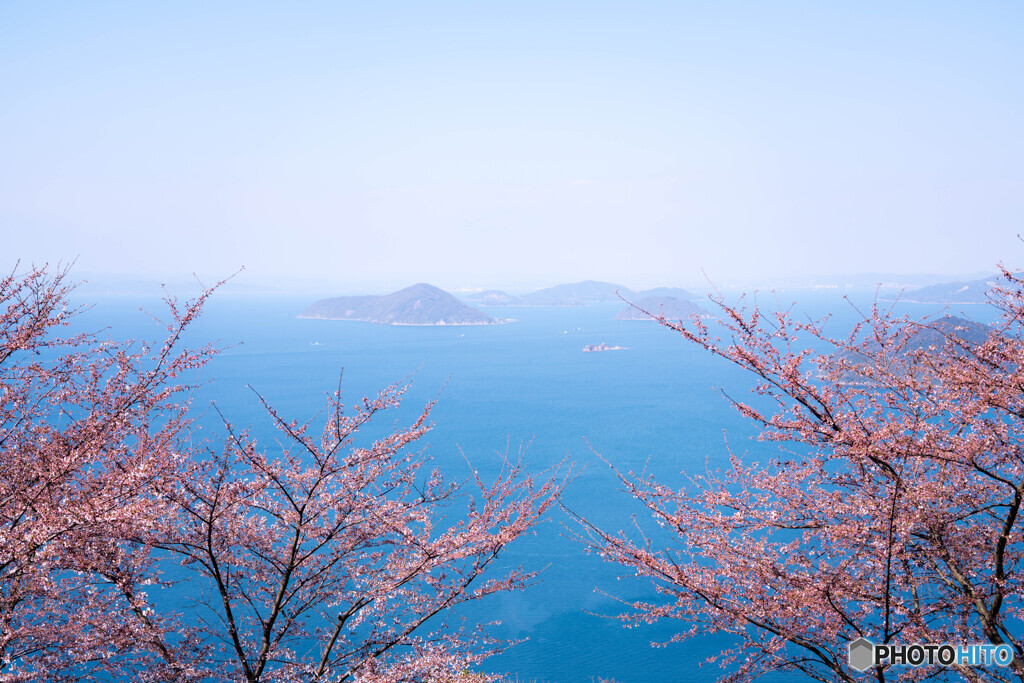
329 558
891 514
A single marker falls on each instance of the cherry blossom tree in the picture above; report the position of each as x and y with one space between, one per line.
334 561
88 427
336 558
891 512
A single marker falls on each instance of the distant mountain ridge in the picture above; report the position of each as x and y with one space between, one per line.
667 292
970 292
588 291
670 307
420 304
575 294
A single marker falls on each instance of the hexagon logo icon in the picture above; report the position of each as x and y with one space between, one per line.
862 654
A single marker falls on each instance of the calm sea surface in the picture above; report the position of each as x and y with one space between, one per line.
654 404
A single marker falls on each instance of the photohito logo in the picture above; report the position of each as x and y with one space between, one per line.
865 654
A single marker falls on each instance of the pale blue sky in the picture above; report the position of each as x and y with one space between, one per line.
500 143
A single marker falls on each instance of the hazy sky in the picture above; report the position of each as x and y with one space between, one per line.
499 143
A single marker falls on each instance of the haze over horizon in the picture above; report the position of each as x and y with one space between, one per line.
512 146
243 282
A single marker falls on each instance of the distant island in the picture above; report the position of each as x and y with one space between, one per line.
420 304
586 292
494 297
668 306
574 294
971 292
590 348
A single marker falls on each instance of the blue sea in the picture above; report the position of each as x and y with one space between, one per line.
655 404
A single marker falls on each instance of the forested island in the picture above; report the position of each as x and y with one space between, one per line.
420 304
